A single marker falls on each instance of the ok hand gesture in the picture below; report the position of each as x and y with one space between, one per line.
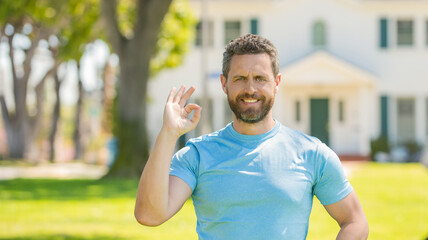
175 119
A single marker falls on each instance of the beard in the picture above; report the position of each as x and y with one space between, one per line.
250 114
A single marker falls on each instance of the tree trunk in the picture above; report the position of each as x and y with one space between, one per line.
17 123
131 127
135 55
55 118
78 119
21 129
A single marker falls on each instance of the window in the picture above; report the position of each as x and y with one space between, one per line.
405 107
254 25
319 34
210 34
297 113
383 38
405 32
232 30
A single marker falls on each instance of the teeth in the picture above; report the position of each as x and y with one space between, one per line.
250 100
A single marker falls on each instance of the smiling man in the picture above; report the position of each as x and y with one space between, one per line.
253 179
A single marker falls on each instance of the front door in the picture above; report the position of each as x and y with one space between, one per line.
319 119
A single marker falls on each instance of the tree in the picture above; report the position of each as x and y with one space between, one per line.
63 27
141 34
25 20
79 30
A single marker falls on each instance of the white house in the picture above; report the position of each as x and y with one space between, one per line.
352 70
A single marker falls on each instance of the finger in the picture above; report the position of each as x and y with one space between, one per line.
171 95
179 93
187 95
196 116
190 107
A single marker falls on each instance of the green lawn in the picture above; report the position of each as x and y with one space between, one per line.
395 199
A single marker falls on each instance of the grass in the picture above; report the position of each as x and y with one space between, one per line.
394 197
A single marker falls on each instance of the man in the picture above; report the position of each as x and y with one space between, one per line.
254 179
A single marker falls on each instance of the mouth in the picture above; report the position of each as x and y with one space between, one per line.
250 101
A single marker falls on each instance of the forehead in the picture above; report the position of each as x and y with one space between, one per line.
256 63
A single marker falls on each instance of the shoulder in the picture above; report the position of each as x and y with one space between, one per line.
299 139
208 139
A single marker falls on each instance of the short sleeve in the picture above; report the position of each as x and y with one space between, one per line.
185 164
331 184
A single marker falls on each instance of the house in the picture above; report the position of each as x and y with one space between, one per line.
352 70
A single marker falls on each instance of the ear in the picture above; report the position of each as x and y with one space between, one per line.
223 83
277 82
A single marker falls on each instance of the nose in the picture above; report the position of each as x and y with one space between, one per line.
250 86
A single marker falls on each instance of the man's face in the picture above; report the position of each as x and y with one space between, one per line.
250 87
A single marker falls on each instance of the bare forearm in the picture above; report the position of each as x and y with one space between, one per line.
152 198
155 202
354 231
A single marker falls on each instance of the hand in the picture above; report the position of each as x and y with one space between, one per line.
175 119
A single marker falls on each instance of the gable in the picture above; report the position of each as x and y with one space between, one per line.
321 68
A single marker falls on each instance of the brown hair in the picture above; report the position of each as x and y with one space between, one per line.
250 44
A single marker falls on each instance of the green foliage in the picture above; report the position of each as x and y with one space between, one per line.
79 28
66 25
413 147
127 16
12 11
177 32
380 144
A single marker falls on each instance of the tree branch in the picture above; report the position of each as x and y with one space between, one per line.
40 34
39 91
108 12
12 60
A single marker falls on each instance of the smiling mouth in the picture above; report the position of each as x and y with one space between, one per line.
250 100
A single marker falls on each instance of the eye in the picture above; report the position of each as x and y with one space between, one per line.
239 78
260 79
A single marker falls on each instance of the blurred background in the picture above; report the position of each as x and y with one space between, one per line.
83 86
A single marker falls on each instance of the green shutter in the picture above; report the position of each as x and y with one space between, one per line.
254 26
426 31
383 33
384 115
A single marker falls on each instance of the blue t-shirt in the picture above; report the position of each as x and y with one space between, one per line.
258 186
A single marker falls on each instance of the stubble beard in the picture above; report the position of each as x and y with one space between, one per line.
250 115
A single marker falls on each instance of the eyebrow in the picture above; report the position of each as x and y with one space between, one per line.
238 75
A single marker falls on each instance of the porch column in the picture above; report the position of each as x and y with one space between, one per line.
364 114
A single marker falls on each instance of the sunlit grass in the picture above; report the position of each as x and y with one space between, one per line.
80 209
394 197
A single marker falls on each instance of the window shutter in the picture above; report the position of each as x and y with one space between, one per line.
383 24
254 23
384 115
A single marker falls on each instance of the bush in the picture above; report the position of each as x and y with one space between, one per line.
380 144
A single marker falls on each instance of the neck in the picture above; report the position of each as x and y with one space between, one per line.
261 127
